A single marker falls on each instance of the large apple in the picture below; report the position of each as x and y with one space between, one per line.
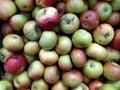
48 17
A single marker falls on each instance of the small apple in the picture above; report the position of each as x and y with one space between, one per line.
82 86
72 78
7 76
39 85
32 47
31 30
107 86
48 57
7 9
78 57
116 40
96 51
13 42
81 38
111 71
5 85
15 64
63 41
25 5
64 62
75 6
69 23
22 81
48 40
87 18
18 21
103 34
104 10
93 68
35 70
48 17
51 74
92 3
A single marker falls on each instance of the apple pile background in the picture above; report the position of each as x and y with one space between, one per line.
78 47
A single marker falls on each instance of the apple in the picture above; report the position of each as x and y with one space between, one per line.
78 57
93 68
111 71
69 23
104 10
115 5
7 76
39 85
22 81
91 3
25 5
35 70
64 62
18 21
48 17
15 64
107 87
32 47
81 38
48 40
87 18
114 19
115 43
86 79
95 84
51 74
115 83
48 57
7 9
75 6
13 42
6 84
4 54
72 78
103 34
45 3
63 41
31 30
96 51
82 86
59 86
112 54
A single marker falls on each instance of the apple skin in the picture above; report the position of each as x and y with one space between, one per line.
104 10
103 34
39 85
115 83
116 40
75 6
78 57
95 84
7 9
34 11
6 84
82 86
96 51
111 71
93 68
15 64
87 18
92 3
69 23
13 42
25 5
107 86
115 5
72 78
47 18
22 81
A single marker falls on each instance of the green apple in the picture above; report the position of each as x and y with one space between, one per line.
81 38
96 51
107 87
35 70
115 83
8 76
92 3
82 86
115 5
75 6
6 85
103 34
93 68
64 45
48 40
69 23
39 85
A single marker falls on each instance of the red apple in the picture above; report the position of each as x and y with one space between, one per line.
116 40
15 64
48 17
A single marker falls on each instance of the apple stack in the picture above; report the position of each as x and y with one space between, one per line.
60 44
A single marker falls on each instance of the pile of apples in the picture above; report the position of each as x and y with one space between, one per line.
60 44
